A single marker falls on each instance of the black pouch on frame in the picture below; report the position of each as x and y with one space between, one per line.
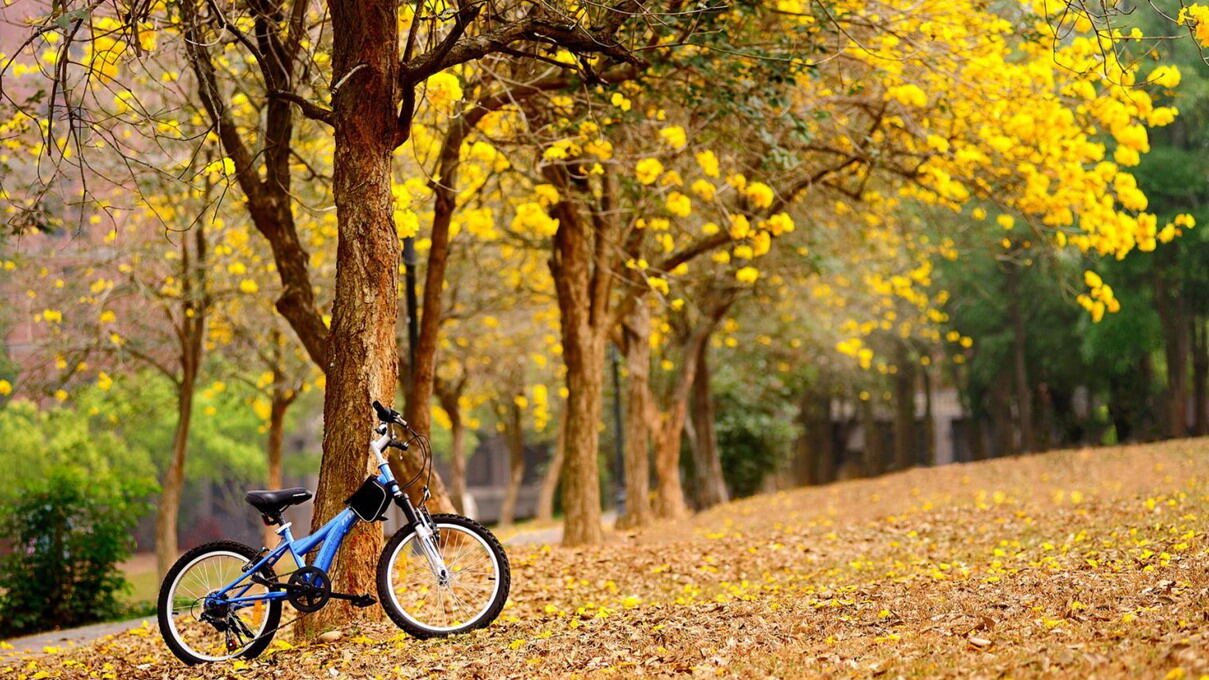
369 502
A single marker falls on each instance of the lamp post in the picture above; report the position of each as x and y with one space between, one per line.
618 432
413 316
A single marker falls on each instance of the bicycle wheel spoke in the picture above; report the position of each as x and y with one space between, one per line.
472 571
225 631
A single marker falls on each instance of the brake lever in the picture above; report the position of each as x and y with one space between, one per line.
402 446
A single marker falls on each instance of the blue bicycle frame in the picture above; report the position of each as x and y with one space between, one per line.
330 535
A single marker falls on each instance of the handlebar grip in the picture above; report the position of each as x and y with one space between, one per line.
384 414
389 415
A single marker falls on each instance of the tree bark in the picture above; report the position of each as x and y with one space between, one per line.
905 455
444 188
584 356
282 398
581 280
1200 374
449 398
1173 317
636 343
1024 392
168 510
669 492
707 463
825 440
545 495
1003 442
515 436
264 174
875 462
190 330
361 348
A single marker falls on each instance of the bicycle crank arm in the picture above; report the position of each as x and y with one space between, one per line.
356 600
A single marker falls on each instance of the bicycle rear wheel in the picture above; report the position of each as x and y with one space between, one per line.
200 628
470 595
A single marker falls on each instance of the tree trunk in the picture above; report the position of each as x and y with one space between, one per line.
277 409
444 187
361 348
636 334
457 449
168 510
978 442
515 435
707 463
875 462
190 331
905 455
929 418
1045 418
584 356
1024 393
581 312
804 470
669 493
1003 442
545 495
1176 340
1200 374
824 440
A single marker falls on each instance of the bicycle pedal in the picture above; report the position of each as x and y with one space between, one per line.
364 601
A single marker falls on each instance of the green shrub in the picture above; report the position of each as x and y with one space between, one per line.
67 532
751 445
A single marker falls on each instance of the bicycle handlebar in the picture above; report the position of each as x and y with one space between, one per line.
389 415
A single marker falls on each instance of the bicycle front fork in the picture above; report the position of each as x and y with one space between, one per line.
427 534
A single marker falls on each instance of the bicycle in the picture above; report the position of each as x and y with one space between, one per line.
439 575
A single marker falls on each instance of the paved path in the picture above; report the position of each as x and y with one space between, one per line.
73 636
77 636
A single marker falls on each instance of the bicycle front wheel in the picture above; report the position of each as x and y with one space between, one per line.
469 595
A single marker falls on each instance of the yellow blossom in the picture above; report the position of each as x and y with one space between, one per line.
648 170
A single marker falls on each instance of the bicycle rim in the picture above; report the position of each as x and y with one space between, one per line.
461 603
243 624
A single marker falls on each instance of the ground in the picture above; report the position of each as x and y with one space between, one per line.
1091 563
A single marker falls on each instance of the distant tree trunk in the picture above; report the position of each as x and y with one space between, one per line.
515 436
1173 317
707 463
1045 416
168 510
190 332
978 443
805 448
669 492
444 187
361 345
824 439
1200 374
449 397
874 456
1001 416
639 413
280 402
580 476
929 417
577 271
905 455
815 457
1024 392
545 495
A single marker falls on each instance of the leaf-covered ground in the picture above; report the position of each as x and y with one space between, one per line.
1089 563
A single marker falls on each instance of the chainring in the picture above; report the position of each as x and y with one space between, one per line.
312 588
